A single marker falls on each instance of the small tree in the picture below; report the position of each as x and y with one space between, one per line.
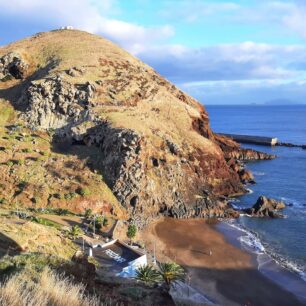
131 232
75 232
88 213
147 274
171 273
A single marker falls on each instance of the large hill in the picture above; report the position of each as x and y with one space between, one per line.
84 124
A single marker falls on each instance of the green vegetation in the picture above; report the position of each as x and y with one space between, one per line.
70 195
167 274
46 222
171 273
83 191
148 274
34 261
6 112
131 232
88 213
75 232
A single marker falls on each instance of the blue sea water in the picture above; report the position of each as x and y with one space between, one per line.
283 178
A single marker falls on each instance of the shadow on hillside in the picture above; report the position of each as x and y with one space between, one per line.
13 93
242 286
8 246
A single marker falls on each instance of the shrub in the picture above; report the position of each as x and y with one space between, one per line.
35 200
131 232
83 191
88 213
75 232
9 163
20 162
57 196
26 150
70 195
62 211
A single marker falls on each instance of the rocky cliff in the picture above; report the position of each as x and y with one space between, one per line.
158 154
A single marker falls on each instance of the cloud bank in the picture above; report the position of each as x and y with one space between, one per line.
234 73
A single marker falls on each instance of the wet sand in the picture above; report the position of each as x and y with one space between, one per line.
228 276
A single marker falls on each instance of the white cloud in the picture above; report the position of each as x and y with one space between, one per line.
88 15
245 61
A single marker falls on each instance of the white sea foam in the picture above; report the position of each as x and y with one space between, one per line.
294 202
257 173
251 242
249 190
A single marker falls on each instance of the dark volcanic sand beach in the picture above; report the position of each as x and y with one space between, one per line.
228 277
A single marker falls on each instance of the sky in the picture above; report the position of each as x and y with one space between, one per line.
220 52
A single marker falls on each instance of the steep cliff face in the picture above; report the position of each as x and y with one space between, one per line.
158 153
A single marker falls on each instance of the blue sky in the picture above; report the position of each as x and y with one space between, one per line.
221 52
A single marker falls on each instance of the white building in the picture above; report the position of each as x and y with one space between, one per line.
119 258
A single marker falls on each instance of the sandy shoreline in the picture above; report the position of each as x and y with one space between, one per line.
228 277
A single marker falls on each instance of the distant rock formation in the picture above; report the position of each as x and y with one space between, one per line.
266 207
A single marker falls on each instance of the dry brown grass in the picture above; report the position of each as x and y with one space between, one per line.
46 289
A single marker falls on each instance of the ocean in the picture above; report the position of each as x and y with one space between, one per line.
283 178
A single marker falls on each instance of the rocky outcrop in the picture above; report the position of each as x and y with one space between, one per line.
54 103
12 66
266 207
233 150
236 156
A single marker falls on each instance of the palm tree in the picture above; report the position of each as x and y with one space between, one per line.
147 274
171 273
75 232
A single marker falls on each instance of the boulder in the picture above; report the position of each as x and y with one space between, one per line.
266 207
246 176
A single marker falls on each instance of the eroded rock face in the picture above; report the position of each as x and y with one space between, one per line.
149 186
54 103
12 66
266 207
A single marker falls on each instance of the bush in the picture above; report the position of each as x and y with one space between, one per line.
62 211
88 213
131 232
26 150
9 163
70 195
20 162
35 200
83 191
57 196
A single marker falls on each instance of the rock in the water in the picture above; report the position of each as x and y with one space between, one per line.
266 207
